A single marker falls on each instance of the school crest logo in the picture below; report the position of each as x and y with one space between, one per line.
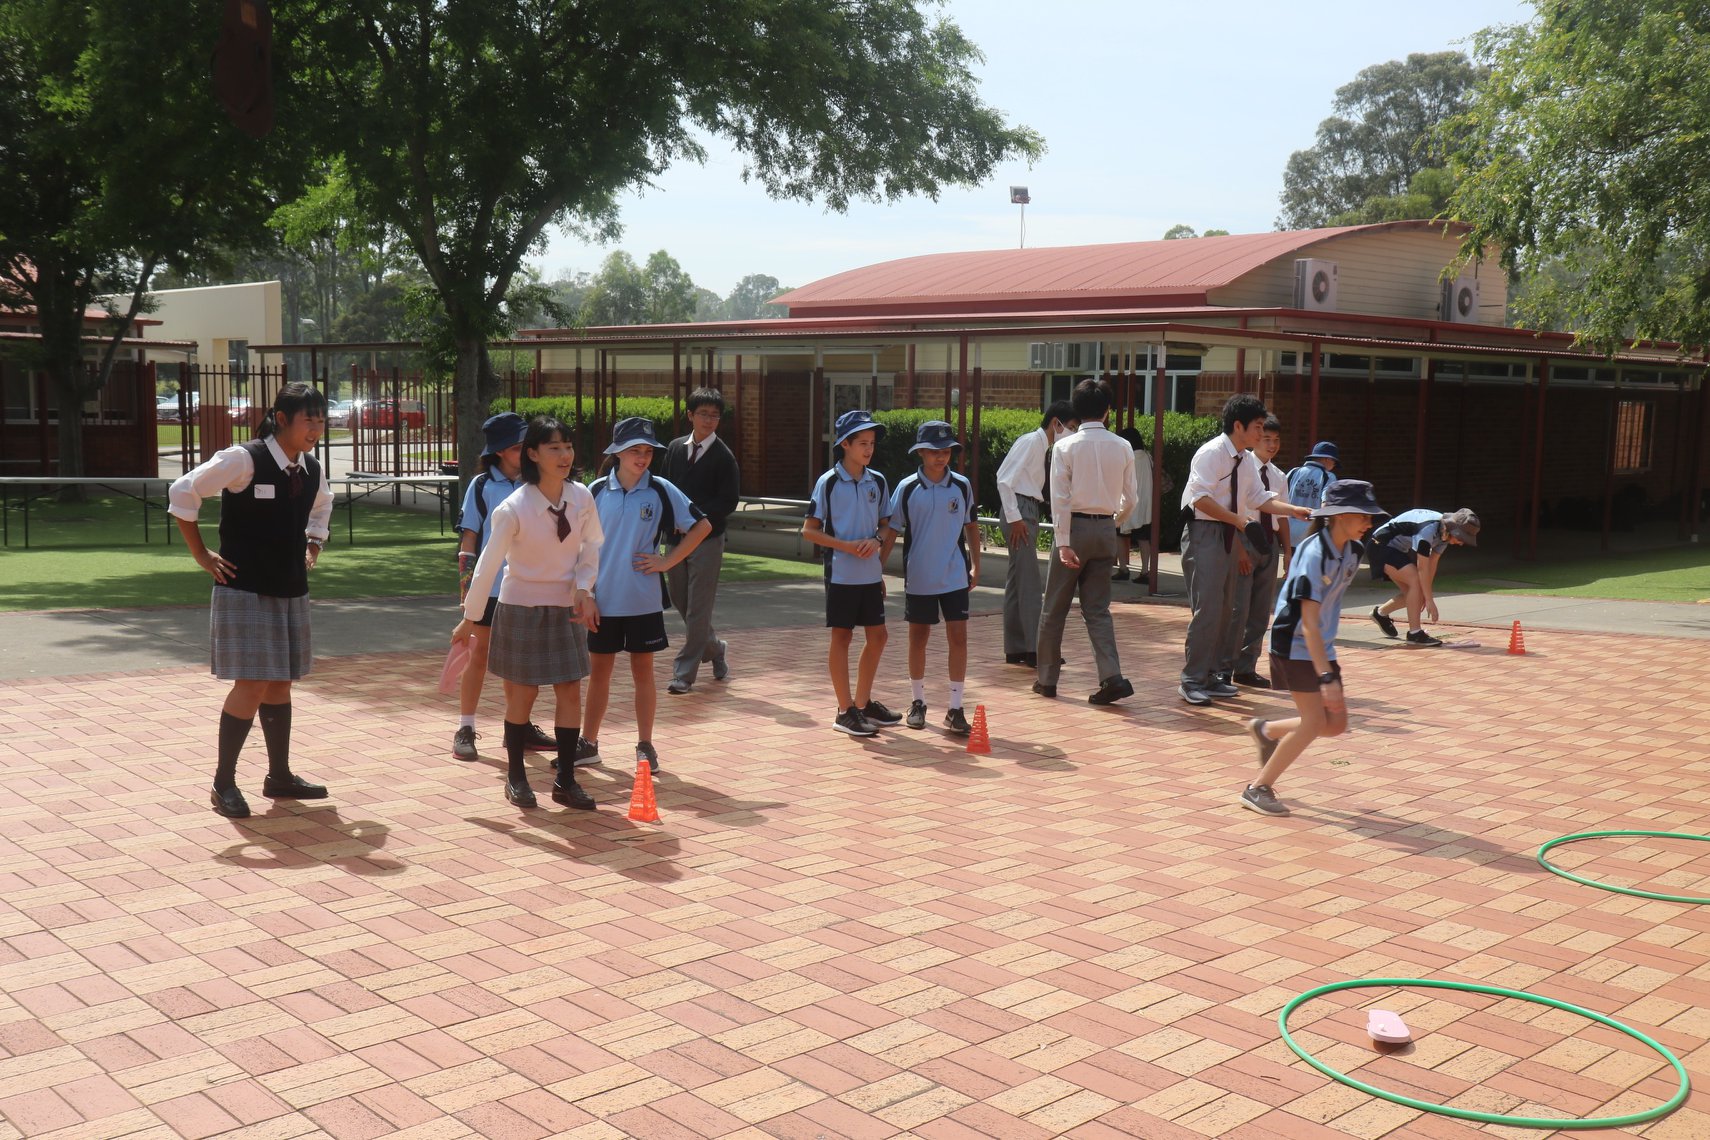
647 512
872 494
955 506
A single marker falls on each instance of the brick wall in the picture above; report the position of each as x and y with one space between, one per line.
998 389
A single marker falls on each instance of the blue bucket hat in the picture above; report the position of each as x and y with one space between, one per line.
857 419
935 435
631 431
1324 449
503 430
1350 497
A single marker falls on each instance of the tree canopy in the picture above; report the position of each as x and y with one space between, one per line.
473 127
1583 158
1369 156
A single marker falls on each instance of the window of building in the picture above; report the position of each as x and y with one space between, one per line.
1634 426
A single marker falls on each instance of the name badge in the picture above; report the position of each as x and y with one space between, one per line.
264 490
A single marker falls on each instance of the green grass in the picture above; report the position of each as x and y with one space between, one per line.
1676 574
92 556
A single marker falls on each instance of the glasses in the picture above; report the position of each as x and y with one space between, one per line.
706 414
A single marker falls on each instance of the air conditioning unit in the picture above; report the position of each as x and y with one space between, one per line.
1460 299
1063 356
1315 284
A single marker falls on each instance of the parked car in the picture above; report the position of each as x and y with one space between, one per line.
385 414
339 413
166 409
242 412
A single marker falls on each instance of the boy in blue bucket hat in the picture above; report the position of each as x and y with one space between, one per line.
933 511
1307 483
847 510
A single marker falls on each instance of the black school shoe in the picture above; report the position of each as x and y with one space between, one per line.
916 717
1111 691
852 722
956 723
1251 680
1385 623
572 796
229 802
1049 692
539 741
880 715
521 794
1420 637
292 787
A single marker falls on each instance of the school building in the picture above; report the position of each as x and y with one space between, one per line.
1352 334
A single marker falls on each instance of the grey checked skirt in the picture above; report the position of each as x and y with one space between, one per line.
255 637
537 645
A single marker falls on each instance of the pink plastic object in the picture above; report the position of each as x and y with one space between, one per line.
1387 1027
455 662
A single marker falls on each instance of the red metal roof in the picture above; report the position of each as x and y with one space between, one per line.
1179 272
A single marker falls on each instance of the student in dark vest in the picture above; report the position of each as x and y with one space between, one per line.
274 508
703 468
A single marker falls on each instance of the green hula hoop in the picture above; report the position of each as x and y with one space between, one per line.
1636 892
1649 1114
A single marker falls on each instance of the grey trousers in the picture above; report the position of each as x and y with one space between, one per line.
694 584
1255 595
1210 573
1097 543
1021 584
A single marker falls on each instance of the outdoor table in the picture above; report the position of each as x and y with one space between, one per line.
361 484
49 483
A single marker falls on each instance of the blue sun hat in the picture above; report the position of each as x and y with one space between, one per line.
503 430
1324 449
631 431
1350 497
935 435
854 420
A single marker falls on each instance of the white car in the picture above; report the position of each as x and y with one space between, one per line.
338 413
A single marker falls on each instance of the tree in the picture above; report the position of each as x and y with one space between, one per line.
618 293
670 292
1583 159
1427 196
1384 131
748 298
118 162
473 127
1183 230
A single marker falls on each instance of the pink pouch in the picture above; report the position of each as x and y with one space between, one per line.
456 661
1387 1027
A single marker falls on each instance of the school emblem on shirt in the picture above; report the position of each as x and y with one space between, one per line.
647 513
872 494
955 507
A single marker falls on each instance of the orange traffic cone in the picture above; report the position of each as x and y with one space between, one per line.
979 741
1516 641
642 806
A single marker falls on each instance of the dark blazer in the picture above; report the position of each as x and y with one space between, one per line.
713 483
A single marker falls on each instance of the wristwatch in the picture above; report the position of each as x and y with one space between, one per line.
1327 678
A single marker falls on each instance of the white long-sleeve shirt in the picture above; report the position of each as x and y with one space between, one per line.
1092 473
540 570
1022 472
1140 507
1209 474
231 469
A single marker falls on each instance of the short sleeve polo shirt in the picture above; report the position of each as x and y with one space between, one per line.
856 508
630 520
1319 573
495 489
937 512
1427 537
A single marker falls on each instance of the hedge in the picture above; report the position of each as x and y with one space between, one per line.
999 429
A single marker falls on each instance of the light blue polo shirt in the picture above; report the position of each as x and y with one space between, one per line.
1320 573
856 509
1428 537
937 512
495 488
631 521
1306 486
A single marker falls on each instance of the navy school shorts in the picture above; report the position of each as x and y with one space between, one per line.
848 606
923 609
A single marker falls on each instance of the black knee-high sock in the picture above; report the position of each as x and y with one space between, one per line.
233 732
516 742
568 738
276 730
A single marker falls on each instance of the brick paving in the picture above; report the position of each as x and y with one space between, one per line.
1080 934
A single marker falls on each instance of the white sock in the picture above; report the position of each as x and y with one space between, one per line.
919 688
956 694
466 721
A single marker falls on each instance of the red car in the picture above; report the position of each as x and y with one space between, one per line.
385 414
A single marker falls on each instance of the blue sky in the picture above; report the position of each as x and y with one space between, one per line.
1153 113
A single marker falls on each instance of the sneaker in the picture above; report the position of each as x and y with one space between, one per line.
1385 623
1220 688
645 751
851 721
539 741
879 714
1193 694
1256 729
956 723
916 717
720 667
588 753
1420 637
463 743
1251 680
1260 798
677 688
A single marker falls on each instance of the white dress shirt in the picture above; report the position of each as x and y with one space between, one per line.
1209 474
540 570
1140 508
704 446
1022 472
1092 473
1279 486
231 469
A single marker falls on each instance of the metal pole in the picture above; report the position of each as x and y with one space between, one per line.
1312 421
962 394
911 396
1157 469
1538 458
1421 432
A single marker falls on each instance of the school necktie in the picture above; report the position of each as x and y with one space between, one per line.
1234 503
558 520
694 453
1268 520
295 470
